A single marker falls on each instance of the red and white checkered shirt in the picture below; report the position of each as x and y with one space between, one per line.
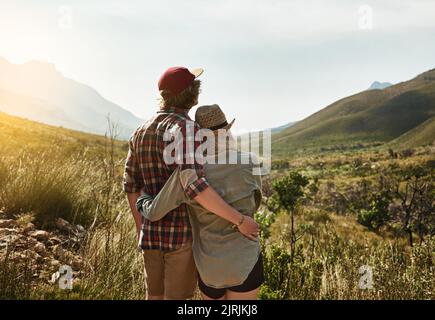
146 169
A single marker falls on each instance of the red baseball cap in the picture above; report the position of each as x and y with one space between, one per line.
176 79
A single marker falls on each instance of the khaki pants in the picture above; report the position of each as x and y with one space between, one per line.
172 274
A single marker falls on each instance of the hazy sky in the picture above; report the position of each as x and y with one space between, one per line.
267 62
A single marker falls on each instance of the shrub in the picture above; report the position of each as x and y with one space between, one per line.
265 220
406 153
276 262
378 213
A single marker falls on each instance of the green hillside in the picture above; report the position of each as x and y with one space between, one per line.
421 135
18 135
369 116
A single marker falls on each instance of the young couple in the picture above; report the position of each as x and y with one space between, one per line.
194 218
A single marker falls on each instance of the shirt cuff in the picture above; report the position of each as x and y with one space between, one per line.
141 200
196 188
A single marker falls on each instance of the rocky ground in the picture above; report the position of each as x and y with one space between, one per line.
42 251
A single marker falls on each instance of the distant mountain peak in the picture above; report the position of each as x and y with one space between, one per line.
380 85
33 65
37 90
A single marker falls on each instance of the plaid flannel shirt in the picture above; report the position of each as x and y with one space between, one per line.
146 169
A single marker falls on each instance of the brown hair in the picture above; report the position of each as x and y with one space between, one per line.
185 100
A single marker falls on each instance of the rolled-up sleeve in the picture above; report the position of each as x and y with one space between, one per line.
193 160
132 181
196 188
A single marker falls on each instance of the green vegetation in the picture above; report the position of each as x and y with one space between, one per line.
333 216
418 136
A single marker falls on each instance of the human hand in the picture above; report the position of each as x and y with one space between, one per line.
249 228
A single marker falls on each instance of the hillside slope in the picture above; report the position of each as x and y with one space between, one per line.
57 100
18 135
422 135
373 115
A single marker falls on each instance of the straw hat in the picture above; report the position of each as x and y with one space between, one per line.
212 117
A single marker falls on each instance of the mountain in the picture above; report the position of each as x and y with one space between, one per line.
369 116
18 134
285 126
37 91
254 138
420 135
380 85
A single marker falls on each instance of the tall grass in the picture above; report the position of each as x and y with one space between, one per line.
15 278
83 187
47 186
114 268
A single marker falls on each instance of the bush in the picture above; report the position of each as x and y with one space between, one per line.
265 220
378 214
406 153
276 262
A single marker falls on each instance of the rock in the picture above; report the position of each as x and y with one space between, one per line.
63 225
9 239
55 263
76 263
80 230
58 251
30 242
17 257
69 256
20 244
7 223
29 227
54 241
8 231
40 249
39 260
40 235
32 255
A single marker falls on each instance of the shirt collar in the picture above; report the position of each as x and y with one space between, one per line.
176 110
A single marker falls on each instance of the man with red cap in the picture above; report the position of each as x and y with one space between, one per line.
167 243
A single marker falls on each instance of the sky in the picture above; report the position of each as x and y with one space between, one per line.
267 62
